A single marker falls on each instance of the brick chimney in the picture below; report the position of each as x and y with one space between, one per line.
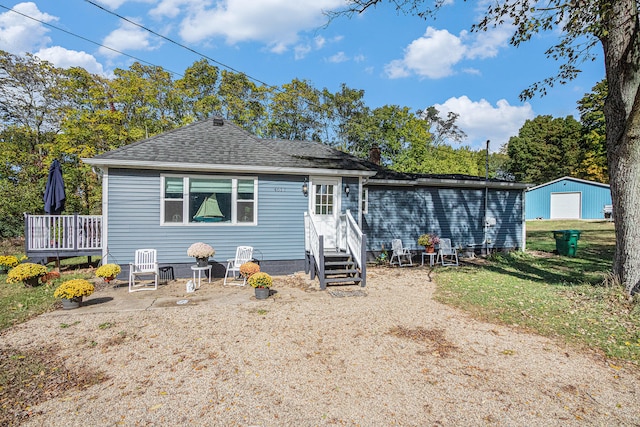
374 154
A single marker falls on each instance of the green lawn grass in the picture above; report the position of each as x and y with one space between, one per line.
558 296
18 303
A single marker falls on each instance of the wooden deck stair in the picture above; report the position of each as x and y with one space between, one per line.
340 269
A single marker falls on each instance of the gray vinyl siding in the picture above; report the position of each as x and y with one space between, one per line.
456 213
134 221
350 202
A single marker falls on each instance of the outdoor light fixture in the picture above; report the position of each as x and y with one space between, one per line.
346 190
305 188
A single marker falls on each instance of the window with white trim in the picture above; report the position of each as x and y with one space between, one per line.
365 200
208 200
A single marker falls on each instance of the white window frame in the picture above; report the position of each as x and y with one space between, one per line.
185 201
365 200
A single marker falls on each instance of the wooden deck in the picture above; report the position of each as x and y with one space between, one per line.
63 235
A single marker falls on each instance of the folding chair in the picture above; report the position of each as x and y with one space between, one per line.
243 254
400 252
447 254
145 264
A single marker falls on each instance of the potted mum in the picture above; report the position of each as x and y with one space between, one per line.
201 252
261 282
72 291
248 269
7 262
108 271
27 273
429 241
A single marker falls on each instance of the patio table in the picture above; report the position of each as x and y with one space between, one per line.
195 268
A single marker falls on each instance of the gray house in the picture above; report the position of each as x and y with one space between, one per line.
298 203
476 214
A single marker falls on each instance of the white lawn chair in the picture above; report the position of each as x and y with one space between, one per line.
447 254
243 254
400 252
145 264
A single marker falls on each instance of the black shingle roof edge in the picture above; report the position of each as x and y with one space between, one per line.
233 148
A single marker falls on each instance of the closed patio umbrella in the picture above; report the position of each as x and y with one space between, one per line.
54 196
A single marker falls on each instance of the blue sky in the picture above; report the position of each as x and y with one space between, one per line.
396 59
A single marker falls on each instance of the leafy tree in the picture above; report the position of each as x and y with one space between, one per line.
92 126
343 107
243 102
442 129
581 25
393 129
31 110
198 89
545 149
593 150
296 112
22 179
147 98
498 164
30 95
439 159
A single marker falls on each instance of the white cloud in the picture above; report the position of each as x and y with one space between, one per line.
112 4
301 51
486 44
115 4
64 58
396 69
481 121
275 23
473 71
19 34
435 54
338 57
169 8
127 37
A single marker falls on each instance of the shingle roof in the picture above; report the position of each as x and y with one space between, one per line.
203 145
207 144
385 176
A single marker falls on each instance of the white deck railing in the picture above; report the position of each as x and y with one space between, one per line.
312 237
349 238
63 232
353 239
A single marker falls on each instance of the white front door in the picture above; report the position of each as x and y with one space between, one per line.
324 205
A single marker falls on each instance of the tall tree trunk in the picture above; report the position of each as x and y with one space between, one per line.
622 113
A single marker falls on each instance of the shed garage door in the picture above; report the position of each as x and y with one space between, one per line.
566 205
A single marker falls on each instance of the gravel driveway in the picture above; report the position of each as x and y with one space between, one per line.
382 355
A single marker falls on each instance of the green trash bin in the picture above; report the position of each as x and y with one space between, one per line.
567 241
